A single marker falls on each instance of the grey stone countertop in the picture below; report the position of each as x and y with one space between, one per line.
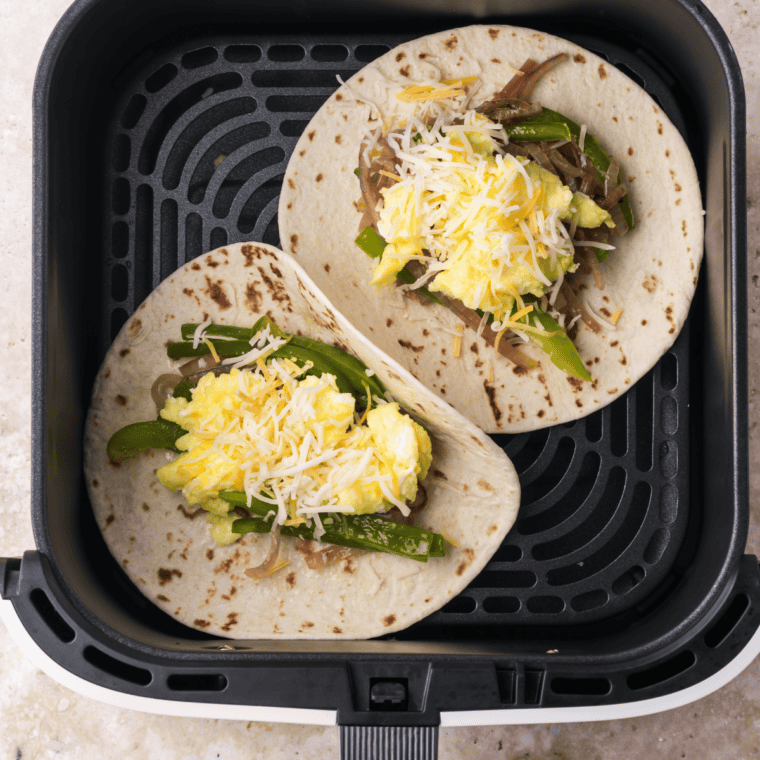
41 719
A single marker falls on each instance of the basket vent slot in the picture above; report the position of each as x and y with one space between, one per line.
501 604
242 53
592 687
662 671
133 111
198 58
286 53
728 621
117 668
669 372
534 686
196 682
505 680
329 53
161 78
367 53
461 605
51 616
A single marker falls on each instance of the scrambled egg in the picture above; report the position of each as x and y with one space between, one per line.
490 223
280 436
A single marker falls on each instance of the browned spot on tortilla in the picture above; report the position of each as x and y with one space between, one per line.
211 262
624 361
400 56
121 400
291 184
630 151
249 252
407 344
349 567
485 485
109 520
683 227
337 630
491 393
519 371
650 283
643 322
195 266
232 619
667 154
163 598
614 118
439 474
495 60
339 96
602 71
404 71
578 403
574 383
307 624
327 268
209 554
659 128
311 134
604 310
469 555
451 42
474 348
290 579
578 58
614 343
494 33
252 298
123 352
423 56
443 391
164 575
189 292
224 567
276 290
95 483
389 620
108 374
541 412
201 623
216 293
320 177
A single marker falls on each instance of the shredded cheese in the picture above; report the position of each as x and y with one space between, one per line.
212 349
616 316
458 342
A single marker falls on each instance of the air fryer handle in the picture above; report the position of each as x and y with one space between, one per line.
389 743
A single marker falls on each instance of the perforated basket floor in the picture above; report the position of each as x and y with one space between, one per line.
195 159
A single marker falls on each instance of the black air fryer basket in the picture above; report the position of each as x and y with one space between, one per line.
621 589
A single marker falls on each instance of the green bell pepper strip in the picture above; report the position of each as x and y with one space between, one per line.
185 350
321 365
591 146
557 345
183 390
140 436
373 244
530 132
354 369
368 532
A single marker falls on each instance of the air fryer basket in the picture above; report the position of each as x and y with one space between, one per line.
162 130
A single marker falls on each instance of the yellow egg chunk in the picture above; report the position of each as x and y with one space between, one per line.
491 224
290 439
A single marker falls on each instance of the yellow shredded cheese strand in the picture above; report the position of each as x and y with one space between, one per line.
389 174
280 564
520 314
458 342
616 316
212 349
450 540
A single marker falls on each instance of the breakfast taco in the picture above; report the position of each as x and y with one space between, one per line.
260 470
507 215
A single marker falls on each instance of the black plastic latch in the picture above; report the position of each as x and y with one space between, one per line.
388 694
10 577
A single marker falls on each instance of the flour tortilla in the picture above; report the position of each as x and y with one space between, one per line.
651 276
473 490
